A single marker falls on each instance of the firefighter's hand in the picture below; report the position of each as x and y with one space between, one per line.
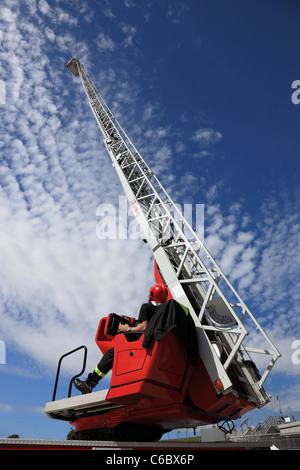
123 328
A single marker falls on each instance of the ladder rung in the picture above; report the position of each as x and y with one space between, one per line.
146 196
194 280
136 179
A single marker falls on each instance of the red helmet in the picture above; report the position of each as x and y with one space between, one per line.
158 293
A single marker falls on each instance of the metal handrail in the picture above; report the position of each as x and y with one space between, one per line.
75 376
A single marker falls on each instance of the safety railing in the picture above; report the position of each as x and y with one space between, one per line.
75 376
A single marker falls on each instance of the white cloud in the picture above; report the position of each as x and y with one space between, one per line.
174 14
5 407
148 112
44 7
62 16
2 92
207 136
108 12
49 33
129 31
129 3
55 13
180 147
7 15
105 43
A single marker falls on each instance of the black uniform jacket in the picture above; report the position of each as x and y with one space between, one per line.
171 316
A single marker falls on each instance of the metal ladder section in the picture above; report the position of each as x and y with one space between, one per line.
188 269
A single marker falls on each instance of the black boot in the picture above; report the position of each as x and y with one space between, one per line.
86 386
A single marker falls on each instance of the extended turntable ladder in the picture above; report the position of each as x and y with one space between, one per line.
222 319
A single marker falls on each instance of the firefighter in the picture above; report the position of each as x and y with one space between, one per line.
158 295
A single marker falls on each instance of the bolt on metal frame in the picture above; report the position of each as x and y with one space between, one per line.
188 269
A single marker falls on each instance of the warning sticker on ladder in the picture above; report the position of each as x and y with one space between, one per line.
134 205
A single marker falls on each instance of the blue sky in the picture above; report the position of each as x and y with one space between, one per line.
204 89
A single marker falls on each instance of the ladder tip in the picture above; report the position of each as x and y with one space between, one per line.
72 66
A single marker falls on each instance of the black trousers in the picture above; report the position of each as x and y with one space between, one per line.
102 368
107 361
